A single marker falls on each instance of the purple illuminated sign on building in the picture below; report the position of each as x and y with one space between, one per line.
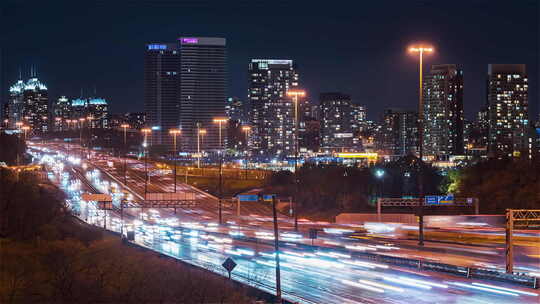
190 40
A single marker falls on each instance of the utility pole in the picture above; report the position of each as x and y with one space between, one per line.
276 249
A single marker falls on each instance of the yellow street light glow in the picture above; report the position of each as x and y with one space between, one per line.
26 128
19 124
81 119
297 93
220 119
246 128
125 126
174 131
202 131
146 130
423 49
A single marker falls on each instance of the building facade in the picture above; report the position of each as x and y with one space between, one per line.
399 133
508 108
443 111
62 112
271 110
336 122
185 88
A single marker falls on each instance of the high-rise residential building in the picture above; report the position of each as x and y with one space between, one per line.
98 110
62 112
359 118
508 108
443 111
336 122
94 107
185 88
135 120
271 110
235 110
399 133
477 135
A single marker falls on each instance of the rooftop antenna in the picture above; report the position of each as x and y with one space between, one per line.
81 93
95 91
20 73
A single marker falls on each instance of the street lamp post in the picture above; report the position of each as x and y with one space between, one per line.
219 121
81 125
146 131
200 134
174 133
420 50
295 94
90 135
125 127
18 124
246 130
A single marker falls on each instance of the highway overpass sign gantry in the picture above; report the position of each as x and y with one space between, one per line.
521 219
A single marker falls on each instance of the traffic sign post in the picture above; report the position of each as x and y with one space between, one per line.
229 265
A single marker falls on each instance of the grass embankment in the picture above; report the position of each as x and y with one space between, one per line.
48 256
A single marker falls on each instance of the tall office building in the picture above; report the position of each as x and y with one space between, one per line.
29 103
399 133
15 104
161 90
203 90
185 88
336 122
443 111
62 112
96 108
508 109
271 110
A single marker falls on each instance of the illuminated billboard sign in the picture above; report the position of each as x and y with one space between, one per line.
189 40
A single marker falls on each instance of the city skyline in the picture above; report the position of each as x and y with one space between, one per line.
376 72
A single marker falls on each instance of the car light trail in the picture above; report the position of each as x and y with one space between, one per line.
367 287
484 289
408 283
381 285
506 289
423 282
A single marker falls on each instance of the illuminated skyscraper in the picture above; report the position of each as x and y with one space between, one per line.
399 133
336 122
508 110
271 110
443 111
62 112
161 90
185 88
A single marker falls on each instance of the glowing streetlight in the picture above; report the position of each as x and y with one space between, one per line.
25 129
295 94
420 50
174 133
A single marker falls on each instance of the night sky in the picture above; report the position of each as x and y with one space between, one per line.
356 47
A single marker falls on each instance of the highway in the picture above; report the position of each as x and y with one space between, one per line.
319 274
